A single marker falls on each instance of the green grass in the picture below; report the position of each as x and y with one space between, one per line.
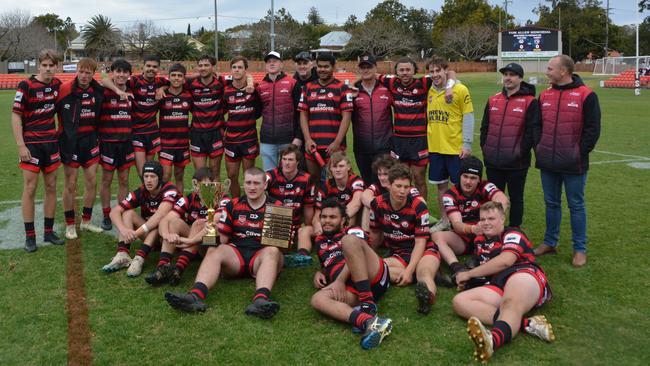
599 312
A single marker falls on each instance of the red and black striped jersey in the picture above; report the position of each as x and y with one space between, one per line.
330 250
511 239
84 100
242 223
115 122
190 208
400 227
145 105
243 110
409 104
295 193
378 190
149 204
35 103
207 109
325 104
330 189
174 120
455 201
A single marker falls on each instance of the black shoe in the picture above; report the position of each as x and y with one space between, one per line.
368 308
107 224
159 276
444 280
185 302
263 308
52 238
176 276
425 298
30 245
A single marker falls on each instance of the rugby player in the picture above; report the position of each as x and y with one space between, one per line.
32 121
509 284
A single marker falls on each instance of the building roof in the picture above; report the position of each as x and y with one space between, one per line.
335 39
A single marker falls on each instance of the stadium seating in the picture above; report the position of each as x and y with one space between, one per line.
626 80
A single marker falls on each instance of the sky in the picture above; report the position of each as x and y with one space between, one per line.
174 15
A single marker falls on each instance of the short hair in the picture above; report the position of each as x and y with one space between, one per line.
48 54
327 57
211 59
88 64
338 157
177 68
153 58
399 171
290 149
236 59
332 202
121 65
492 205
385 161
255 171
202 173
436 60
567 63
406 60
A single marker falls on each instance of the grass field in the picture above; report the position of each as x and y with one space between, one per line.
600 313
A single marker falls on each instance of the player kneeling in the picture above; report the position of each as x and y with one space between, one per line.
155 199
241 252
348 263
510 284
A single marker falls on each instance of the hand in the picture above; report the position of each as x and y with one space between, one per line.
319 280
160 93
462 277
172 238
476 230
338 290
310 145
354 91
24 154
449 95
318 229
405 278
125 95
334 147
297 142
184 243
464 153
129 236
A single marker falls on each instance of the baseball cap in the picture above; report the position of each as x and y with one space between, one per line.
304 55
471 165
367 59
272 54
513 67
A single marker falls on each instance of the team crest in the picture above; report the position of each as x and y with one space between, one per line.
242 218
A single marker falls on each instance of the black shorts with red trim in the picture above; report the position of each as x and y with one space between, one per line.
206 143
45 157
498 282
247 257
84 154
148 143
411 150
175 157
235 151
116 155
404 256
378 284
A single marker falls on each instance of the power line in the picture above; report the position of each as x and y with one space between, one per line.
183 18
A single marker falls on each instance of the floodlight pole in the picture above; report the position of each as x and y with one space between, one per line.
216 35
272 26
637 81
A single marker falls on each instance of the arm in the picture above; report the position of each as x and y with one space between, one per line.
456 220
532 119
108 83
310 145
376 238
308 213
485 122
343 130
493 266
407 275
354 205
468 134
502 199
154 220
338 285
17 127
366 197
537 126
315 222
591 129
127 233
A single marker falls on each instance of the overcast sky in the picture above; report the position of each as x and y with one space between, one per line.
174 15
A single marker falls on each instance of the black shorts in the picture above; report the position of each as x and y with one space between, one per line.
378 285
247 257
206 143
498 282
116 155
238 150
404 256
84 154
148 143
45 157
411 150
175 157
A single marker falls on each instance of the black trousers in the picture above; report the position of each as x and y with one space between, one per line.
514 180
364 163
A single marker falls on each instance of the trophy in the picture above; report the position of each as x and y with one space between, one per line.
210 194
278 226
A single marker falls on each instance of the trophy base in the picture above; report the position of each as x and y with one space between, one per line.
210 241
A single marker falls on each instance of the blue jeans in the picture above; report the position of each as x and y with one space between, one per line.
574 186
270 155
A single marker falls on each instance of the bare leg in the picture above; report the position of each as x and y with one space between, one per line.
49 204
232 168
419 179
30 183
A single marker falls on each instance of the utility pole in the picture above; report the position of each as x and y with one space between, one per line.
272 26
607 31
216 35
505 6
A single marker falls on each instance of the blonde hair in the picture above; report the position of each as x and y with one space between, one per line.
48 54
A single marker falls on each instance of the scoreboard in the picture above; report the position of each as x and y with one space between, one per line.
529 42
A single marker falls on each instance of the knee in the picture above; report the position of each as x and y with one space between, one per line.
316 299
349 242
30 187
71 186
123 180
458 303
272 253
50 186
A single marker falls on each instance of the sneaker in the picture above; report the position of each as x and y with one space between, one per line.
176 276
135 269
482 338
263 308
378 329
425 298
160 275
70 232
30 245
541 328
189 303
88 226
52 238
297 260
440 226
107 224
119 261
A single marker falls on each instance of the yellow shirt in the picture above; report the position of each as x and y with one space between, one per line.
445 121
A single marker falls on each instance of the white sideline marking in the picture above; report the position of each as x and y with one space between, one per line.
615 161
639 165
40 200
636 157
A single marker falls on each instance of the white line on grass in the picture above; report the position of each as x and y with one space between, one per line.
616 161
636 157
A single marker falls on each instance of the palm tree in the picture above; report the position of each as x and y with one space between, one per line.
101 37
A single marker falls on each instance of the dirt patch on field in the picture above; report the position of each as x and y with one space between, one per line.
79 337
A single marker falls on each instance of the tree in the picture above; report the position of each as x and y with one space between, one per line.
468 42
20 37
207 38
644 5
64 30
291 36
351 23
376 38
101 37
137 36
175 47
313 17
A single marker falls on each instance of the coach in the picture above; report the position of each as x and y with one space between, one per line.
507 136
568 130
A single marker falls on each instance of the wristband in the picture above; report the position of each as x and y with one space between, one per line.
145 229
450 83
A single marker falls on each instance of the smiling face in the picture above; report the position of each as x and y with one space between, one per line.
511 80
176 79
367 72
205 68
120 77
554 71
273 66
150 69
438 76
340 170
405 72
325 70
492 222
303 67
382 176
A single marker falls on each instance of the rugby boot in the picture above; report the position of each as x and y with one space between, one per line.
160 275
70 232
440 226
444 280
30 245
135 269
482 338
263 308
368 308
176 276
107 224
119 261
88 226
425 298
52 238
541 328
375 333
297 260
186 302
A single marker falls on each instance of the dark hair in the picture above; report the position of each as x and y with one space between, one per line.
236 59
121 65
436 60
177 68
211 59
399 171
153 58
385 161
48 54
202 173
332 202
328 57
406 60
290 149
